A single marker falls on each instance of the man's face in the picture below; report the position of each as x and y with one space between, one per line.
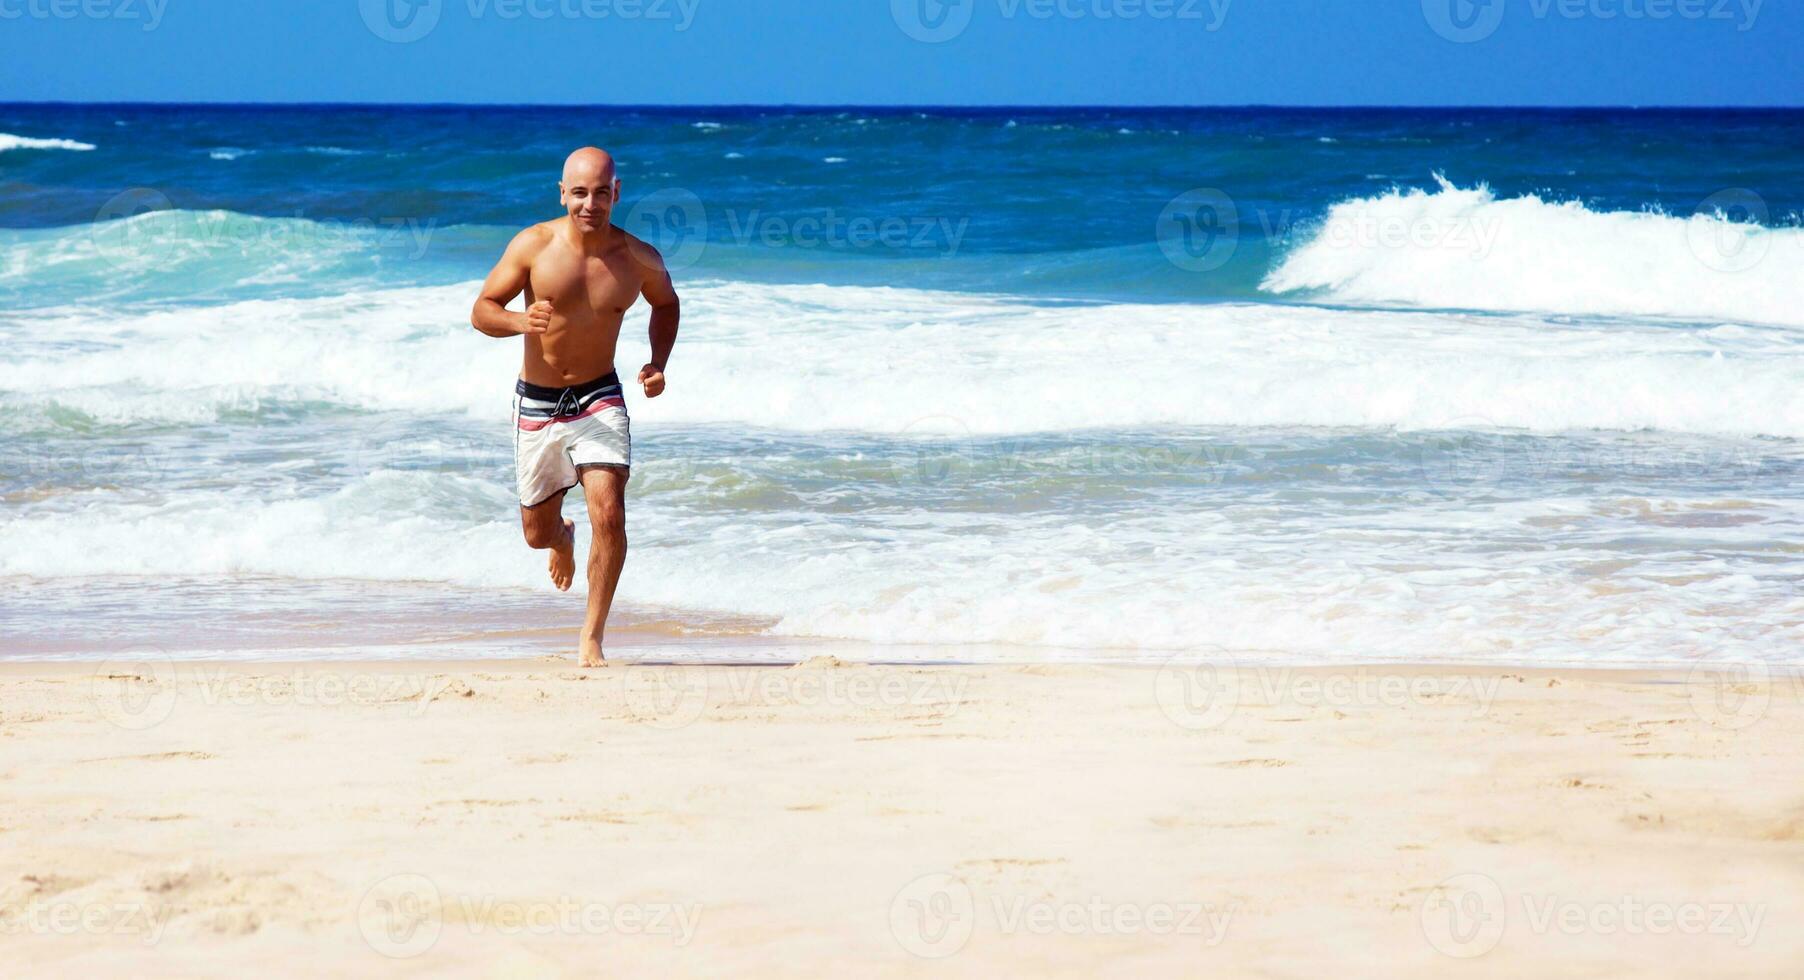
589 199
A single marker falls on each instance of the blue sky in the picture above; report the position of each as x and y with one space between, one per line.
1055 52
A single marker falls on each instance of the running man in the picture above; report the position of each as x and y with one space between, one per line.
580 274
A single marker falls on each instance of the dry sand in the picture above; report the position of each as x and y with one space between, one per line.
531 819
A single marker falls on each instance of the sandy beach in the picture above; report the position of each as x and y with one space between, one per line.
527 818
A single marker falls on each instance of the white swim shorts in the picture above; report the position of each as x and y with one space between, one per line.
557 430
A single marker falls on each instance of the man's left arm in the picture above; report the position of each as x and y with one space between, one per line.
666 311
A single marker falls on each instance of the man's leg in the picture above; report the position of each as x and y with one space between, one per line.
546 527
605 489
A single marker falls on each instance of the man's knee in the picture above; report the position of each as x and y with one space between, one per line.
609 522
541 533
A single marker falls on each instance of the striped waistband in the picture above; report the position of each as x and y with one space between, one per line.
561 404
540 393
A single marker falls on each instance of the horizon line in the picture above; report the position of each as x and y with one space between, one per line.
903 106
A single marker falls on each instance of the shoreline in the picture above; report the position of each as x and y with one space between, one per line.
490 817
668 639
784 652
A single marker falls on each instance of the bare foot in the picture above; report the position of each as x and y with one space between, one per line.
591 652
563 558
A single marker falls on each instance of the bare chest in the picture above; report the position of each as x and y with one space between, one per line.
604 285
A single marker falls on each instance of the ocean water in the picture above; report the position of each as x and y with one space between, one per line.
1299 386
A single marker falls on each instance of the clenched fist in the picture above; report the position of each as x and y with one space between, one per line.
538 317
652 377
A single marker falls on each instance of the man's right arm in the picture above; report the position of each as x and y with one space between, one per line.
506 281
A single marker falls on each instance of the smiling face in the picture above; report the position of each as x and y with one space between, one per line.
589 189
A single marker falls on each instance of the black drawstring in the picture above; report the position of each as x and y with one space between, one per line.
576 404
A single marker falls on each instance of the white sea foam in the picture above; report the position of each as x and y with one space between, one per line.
1457 248
375 528
1552 572
10 142
1455 581
884 360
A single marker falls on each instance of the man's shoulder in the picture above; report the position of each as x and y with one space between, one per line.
533 238
643 253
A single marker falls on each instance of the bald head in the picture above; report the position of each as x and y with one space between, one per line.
589 189
589 165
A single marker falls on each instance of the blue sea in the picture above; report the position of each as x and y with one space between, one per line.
1303 386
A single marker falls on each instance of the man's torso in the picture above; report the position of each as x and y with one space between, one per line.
590 295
